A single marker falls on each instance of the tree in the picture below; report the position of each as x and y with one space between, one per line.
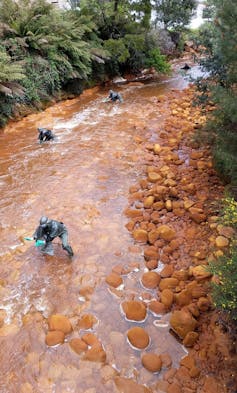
221 63
174 14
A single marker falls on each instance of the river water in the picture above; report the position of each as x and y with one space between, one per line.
82 179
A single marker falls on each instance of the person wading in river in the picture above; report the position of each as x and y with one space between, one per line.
45 135
113 96
48 230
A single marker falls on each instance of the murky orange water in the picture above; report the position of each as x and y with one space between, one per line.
82 179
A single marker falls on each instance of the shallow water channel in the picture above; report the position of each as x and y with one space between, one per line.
82 179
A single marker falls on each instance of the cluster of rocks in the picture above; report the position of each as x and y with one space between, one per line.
171 214
60 328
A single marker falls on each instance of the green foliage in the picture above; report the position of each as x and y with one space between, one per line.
225 293
229 212
157 61
9 71
174 14
219 35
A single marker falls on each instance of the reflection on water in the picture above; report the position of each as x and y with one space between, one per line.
81 179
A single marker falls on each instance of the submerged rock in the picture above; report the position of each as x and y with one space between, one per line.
134 310
151 362
78 345
54 338
95 354
138 337
60 322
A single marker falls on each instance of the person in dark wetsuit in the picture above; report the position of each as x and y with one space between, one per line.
45 135
48 230
113 96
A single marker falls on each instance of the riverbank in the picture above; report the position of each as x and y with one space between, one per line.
173 212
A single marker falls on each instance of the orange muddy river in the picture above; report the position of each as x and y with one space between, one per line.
82 179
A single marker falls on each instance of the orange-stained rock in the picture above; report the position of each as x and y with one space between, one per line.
138 337
200 272
150 280
114 280
174 244
60 322
95 354
160 192
148 202
181 275
54 337
152 264
158 205
190 339
87 321
157 148
151 362
166 232
193 308
125 385
157 307
222 242
188 203
132 213
182 322
167 271
168 205
197 215
174 387
183 298
134 310
153 236
86 291
211 385
188 362
90 339
194 372
154 177
168 283
140 235
227 232
167 297
78 345
166 360
151 252
203 304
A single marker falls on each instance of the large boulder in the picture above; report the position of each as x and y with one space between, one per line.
150 280
151 362
60 322
138 337
54 338
182 322
134 310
